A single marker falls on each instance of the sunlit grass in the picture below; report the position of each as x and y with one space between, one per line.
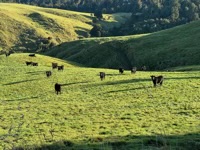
125 109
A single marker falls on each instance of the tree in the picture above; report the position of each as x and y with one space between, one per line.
96 30
175 10
98 14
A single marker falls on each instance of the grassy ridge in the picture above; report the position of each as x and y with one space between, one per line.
174 47
123 111
22 25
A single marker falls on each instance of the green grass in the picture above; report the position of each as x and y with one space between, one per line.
22 25
121 112
174 47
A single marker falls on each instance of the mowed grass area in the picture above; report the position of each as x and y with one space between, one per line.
22 25
121 112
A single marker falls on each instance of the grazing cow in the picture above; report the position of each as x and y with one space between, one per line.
34 64
144 68
54 65
133 70
102 75
157 80
31 55
121 70
7 54
61 67
28 63
58 88
48 73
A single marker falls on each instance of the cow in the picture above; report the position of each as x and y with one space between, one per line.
7 54
58 88
102 75
121 70
144 68
54 65
61 67
48 73
31 55
28 63
157 80
34 64
133 70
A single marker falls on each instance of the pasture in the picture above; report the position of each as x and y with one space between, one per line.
178 46
21 26
124 111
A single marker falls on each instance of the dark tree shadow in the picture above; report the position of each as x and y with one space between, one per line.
129 142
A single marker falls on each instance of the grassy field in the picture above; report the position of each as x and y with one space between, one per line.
22 25
174 47
122 112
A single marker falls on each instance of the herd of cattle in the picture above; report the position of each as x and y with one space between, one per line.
155 80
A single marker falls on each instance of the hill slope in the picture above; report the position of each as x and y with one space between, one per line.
174 47
121 112
22 27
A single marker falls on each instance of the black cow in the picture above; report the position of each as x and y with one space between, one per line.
34 64
48 73
102 75
7 54
28 63
157 80
61 67
144 68
121 70
58 88
133 70
31 55
54 65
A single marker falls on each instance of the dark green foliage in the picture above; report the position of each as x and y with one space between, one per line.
96 30
98 14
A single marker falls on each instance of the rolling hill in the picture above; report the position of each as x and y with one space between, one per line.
121 112
174 47
26 28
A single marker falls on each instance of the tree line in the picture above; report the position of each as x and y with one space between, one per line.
154 15
147 15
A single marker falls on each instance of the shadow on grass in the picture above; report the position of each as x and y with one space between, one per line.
67 84
129 142
182 78
20 99
116 74
126 81
35 72
146 79
138 88
20 81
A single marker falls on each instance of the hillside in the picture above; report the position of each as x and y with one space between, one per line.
174 47
26 28
121 112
